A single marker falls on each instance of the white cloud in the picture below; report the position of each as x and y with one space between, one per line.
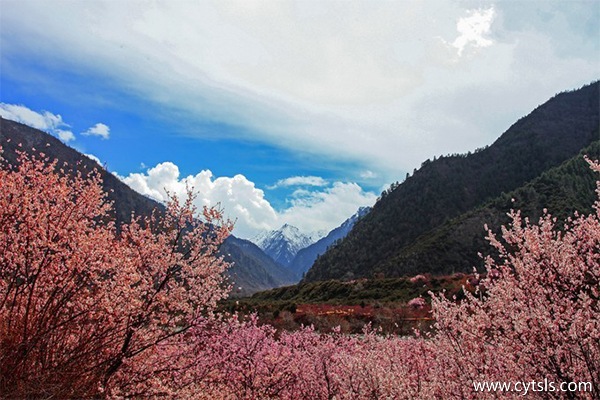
368 174
365 82
473 29
310 211
327 209
64 135
99 129
239 197
94 158
45 121
300 181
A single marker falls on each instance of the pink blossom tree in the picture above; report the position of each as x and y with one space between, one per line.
537 315
82 303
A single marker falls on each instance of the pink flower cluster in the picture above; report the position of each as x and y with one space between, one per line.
89 311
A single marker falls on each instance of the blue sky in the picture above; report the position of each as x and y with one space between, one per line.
285 112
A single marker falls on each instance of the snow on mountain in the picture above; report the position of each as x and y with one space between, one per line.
283 244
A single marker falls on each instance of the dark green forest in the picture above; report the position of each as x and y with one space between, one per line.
433 221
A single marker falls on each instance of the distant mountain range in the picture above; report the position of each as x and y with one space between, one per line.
433 221
251 270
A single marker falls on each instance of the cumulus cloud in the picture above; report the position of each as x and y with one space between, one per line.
94 158
99 129
326 209
64 135
300 181
45 121
242 201
238 196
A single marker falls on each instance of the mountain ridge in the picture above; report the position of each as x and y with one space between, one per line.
305 258
252 270
454 246
449 186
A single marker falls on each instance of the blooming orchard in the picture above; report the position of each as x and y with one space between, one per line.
88 310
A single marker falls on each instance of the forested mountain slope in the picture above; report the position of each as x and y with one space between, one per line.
450 186
15 136
454 246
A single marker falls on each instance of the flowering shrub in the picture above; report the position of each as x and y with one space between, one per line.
417 302
418 278
244 360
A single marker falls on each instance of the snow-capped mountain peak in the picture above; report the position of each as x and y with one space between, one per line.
283 244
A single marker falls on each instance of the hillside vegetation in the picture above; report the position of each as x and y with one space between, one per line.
403 233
